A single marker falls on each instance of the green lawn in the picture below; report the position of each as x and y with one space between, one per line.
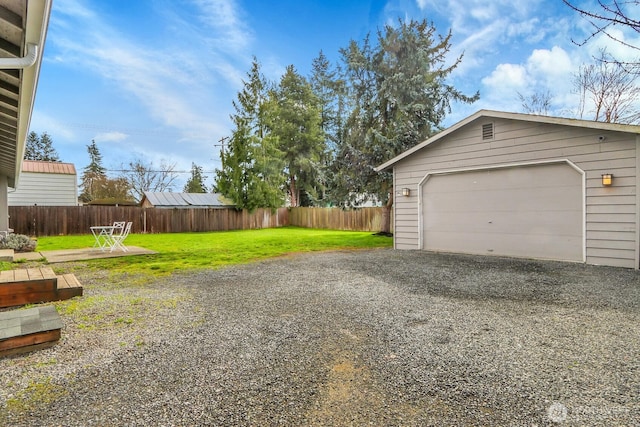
193 251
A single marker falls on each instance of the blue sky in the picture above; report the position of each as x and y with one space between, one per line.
155 79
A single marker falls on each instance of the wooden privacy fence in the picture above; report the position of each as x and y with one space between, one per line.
362 219
69 220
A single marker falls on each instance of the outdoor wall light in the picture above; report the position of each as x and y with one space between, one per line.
607 179
406 192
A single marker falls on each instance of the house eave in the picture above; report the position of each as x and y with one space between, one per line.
35 33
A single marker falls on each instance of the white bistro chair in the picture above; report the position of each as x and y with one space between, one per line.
118 237
118 228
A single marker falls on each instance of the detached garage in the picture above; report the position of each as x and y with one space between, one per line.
524 186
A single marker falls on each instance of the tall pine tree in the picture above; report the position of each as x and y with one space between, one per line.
40 148
330 90
250 175
398 97
294 118
94 175
195 183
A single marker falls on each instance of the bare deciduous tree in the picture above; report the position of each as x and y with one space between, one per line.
148 177
606 17
537 103
608 90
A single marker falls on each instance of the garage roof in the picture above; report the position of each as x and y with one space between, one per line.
511 116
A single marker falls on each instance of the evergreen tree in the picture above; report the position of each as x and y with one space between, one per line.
95 160
195 184
251 175
398 97
330 90
93 175
32 147
294 120
40 148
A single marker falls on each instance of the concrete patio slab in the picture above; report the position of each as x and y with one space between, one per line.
6 255
89 253
29 256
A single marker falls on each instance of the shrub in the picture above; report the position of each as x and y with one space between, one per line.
18 242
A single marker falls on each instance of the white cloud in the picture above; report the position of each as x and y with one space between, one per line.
73 8
467 15
476 47
544 71
548 68
231 73
223 17
485 30
507 76
618 44
178 84
549 65
525 28
41 122
169 86
110 137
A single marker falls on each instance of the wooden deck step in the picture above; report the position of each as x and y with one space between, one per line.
28 330
36 285
26 274
68 286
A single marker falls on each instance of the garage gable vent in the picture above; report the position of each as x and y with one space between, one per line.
487 131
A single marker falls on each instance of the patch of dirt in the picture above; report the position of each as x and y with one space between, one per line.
345 393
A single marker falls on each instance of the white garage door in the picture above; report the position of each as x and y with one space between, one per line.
525 211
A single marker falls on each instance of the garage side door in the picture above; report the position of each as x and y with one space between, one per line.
526 211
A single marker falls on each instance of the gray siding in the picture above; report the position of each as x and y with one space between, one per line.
610 211
45 189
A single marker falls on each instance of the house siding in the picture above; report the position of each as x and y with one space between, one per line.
611 212
45 189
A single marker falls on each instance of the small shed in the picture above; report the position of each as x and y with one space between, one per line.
45 184
169 200
519 185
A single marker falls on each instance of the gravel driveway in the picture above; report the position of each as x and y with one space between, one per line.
382 337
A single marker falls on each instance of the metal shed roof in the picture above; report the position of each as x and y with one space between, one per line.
197 200
36 166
